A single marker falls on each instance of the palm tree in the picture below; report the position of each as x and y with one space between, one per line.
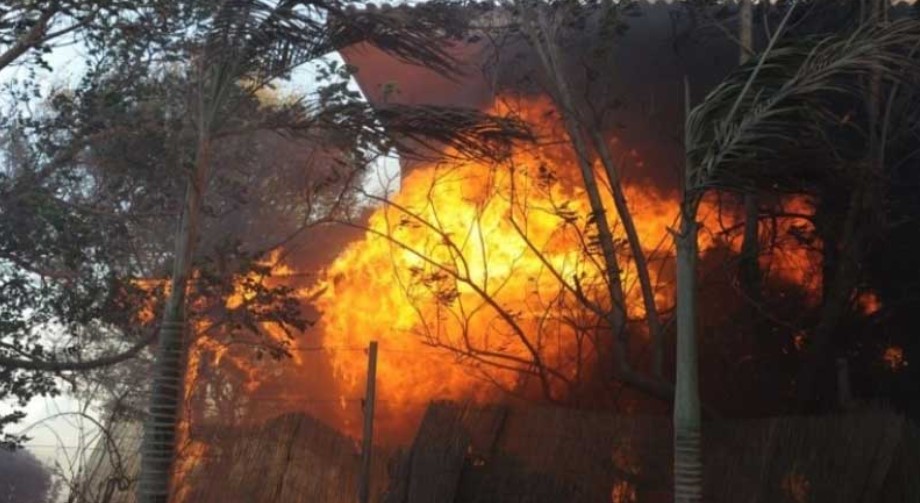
246 45
774 126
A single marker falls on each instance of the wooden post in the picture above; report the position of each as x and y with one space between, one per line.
364 488
844 396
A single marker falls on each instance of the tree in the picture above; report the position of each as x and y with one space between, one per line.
588 299
493 257
774 126
29 28
104 165
47 278
688 464
541 27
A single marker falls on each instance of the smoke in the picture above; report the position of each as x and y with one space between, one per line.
23 478
631 83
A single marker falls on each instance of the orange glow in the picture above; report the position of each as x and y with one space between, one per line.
894 358
799 340
211 349
796 487
153 288
790 261
626 461
485 264
449 262
868 303
476 278
623 492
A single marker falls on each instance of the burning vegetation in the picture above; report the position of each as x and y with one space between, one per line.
569 246
482 280
485 279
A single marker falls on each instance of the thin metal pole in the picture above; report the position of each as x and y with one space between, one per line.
364 489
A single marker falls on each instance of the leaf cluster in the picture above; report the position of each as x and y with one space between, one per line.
795 116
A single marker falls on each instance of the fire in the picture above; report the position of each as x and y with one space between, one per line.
477 279
796 486
868 303
476 262
623 492
893 356
796 259
211 349
486 264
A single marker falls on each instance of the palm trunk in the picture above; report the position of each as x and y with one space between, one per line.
159 447
749 269
688 465
688 457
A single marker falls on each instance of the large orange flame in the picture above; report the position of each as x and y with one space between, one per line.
477 279
472 276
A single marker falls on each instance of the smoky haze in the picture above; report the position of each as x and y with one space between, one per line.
632 83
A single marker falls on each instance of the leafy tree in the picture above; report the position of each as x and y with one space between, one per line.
169 93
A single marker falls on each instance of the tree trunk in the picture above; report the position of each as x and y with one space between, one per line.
861 217
656 331
840 285
688 465
546 50
159 447
748 267
540 33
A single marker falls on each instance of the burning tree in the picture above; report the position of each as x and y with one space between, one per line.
442 261
771 126
539 269
498 263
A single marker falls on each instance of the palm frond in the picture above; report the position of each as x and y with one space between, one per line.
777 135
415 131
426 132
465 132
264 39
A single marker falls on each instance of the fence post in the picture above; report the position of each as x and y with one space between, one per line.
364 488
